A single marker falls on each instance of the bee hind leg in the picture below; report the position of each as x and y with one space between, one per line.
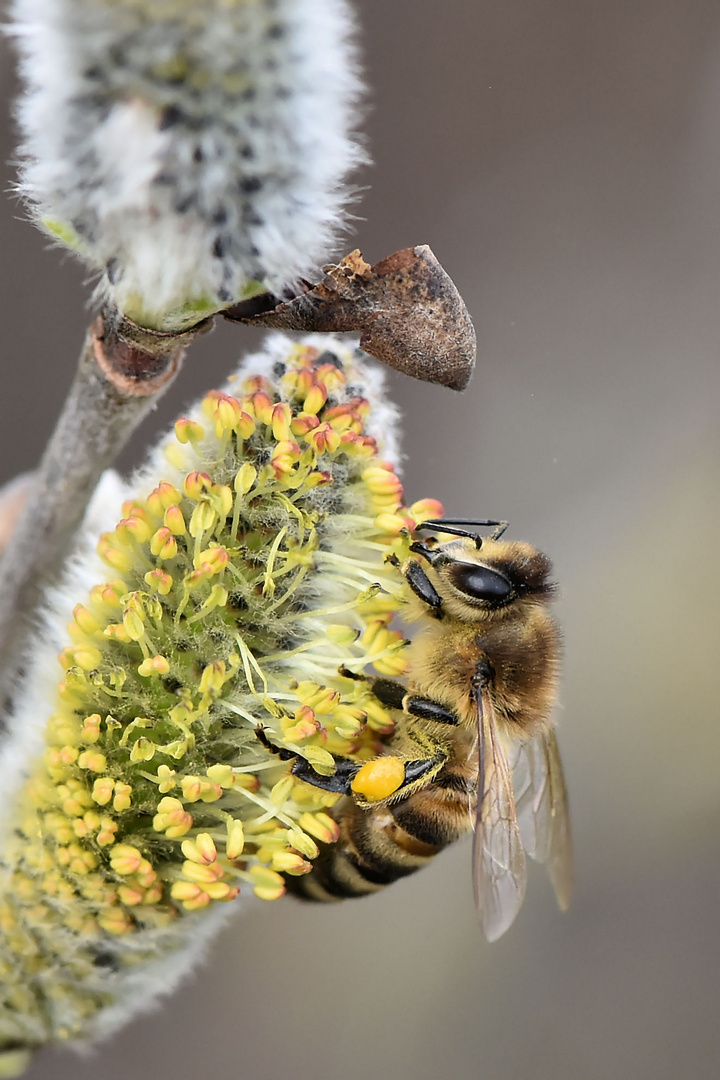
338 783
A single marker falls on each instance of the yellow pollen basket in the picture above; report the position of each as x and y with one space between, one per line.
377 780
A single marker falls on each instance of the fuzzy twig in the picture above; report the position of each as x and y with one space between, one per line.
123 369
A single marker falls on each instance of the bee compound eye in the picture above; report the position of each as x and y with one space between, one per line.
480 582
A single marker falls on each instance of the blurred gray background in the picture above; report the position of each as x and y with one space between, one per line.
563 161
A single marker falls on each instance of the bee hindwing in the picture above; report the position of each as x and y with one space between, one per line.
498 857
542 810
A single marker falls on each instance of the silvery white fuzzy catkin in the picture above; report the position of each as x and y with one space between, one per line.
192 152
254 566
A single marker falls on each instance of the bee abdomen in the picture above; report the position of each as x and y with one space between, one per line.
372 851
376 847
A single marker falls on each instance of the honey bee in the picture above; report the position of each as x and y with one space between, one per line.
474 746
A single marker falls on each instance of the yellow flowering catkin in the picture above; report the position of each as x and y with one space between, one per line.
245 574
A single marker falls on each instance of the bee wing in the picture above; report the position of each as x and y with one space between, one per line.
560 855
498 856
542 810
531 784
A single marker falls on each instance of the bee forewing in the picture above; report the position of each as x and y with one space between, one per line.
498 857
560 855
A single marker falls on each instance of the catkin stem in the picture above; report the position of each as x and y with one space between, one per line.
121 373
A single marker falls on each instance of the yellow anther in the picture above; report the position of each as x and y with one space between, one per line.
221 498
321 826
90 731
299 840
322 761
164 495
129 896
221 890
235 841
203 518
134 619
200 850
115 921
173 519
212 560
202 874
285 457
135 527
321 699
190 895
315 398
106 832
125 859
154 665
324 439
341 634
92 760
191 787
159 580
121 800
392 524
378 718
281 790
268 885
285 862
166 776
87 657
196 484
378 779
382 481
281 417
143 750
110 553
222 775
426 510
262 407
188 431
145 874
245 477
102 791
163 544
85 620
302 424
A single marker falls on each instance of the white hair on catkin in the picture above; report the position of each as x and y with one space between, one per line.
191 153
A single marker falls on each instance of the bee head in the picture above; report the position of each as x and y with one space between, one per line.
484 574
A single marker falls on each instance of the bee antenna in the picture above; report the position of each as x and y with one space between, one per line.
449 525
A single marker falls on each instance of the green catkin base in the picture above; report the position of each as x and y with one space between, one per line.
238 586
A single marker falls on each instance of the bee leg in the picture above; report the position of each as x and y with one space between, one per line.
282 753
423 587
420 584
395 696
393 778
425 709
340 781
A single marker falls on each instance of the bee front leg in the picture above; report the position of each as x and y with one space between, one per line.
420 584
